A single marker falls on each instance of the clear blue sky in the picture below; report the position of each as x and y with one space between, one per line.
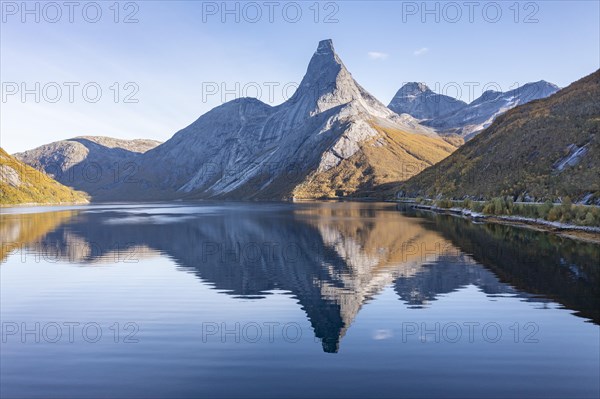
178 51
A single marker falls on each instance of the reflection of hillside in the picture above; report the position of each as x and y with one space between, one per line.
18 231
79 247
332 257
539 263
446 276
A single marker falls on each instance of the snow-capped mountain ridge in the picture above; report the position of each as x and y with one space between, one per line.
448 115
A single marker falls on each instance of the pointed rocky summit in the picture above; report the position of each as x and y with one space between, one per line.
331 138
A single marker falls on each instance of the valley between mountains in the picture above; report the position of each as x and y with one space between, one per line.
333 139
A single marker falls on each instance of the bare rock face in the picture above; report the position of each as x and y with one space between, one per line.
479 114
330 138
419 101
449 116
10 176
245 149
92 164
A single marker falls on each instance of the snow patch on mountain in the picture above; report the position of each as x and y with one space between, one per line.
447 115
573 158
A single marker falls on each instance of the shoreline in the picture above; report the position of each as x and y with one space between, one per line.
583 233
34 204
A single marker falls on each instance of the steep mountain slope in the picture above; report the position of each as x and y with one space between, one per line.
546 149
419 101
22 184
331 126
92 164
479 114
395 156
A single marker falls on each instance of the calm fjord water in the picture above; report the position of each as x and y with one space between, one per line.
295 300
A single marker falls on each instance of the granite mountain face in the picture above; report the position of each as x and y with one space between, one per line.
447 115
330 138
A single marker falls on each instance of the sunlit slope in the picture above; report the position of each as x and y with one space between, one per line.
392 156
546 149
22 184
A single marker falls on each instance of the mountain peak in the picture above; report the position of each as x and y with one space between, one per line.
413 88
325 76
419 101
325 57
542 85
545 83
325 47
328 84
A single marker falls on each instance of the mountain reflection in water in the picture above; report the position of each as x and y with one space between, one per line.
332 257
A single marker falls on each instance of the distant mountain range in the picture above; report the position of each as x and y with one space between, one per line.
334 139
22 184
330 138
448 115
546 149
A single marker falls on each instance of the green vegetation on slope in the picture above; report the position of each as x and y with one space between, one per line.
22 184
565 212
544 150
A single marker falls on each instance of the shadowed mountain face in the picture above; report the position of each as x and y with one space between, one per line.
333 257
93 164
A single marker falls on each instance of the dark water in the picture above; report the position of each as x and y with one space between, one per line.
309 299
